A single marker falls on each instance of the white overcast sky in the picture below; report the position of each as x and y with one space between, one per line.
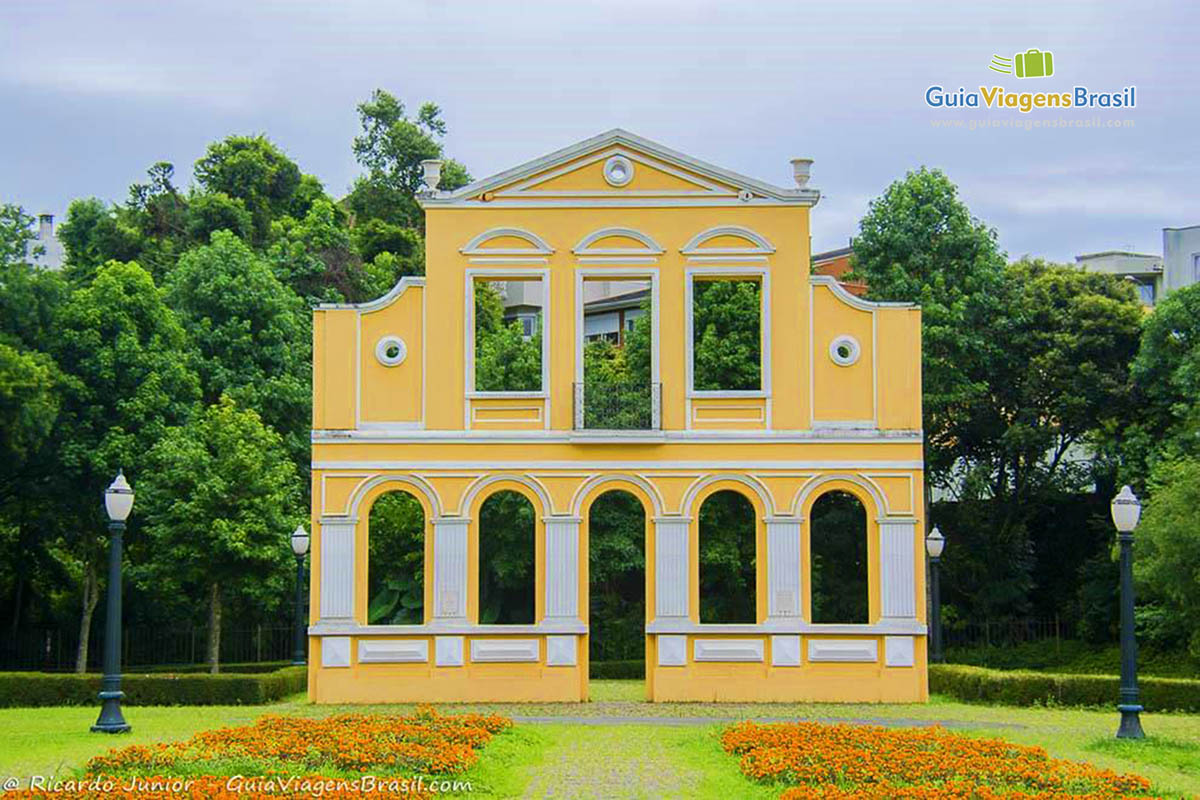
92 93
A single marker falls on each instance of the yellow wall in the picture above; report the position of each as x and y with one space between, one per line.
816 426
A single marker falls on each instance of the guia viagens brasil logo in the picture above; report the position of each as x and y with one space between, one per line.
1032 63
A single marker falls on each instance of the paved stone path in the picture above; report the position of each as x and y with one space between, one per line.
892 722
585 767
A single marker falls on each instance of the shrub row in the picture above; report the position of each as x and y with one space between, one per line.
246 667
617 670
24 689
1018 688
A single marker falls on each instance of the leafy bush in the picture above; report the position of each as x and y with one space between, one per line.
634 669
1022 688
1075 657
25 689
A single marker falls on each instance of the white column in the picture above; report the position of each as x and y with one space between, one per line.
671 569
337 569
897 573
562 568
783 567
450 569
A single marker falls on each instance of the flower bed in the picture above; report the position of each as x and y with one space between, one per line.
859 761
348 755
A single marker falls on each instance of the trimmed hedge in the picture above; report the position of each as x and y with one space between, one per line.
617 670
1023 688
25 689
245 668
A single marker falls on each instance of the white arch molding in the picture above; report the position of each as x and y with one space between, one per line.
537 245
868 486
412 482
535 486
588 487
650 247
758 243
750 482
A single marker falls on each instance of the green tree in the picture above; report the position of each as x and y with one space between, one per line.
316 257
16 235
505 359
209 212
727 559
727 335
396 561
220 500
1166 383
391 148
255 171
251 333
617 577
1168 542
128 378
919 243
94 234
506 559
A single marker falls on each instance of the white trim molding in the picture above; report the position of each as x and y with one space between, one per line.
562 568
843 650
504 651
337 569
537 245
672 651
335 651
898 651
671 568
385 344
728 650
449 651
649 246
561 651
393 651
759 243
380 302
897 561
450 569
785 651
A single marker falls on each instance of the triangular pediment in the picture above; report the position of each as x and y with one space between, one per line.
617 168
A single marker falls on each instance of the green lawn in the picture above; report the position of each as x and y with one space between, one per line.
633 759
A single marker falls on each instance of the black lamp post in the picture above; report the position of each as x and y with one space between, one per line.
299 548
935 543
1126 510
118 502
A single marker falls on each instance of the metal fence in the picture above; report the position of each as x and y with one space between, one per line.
1005 633
625 406
54 650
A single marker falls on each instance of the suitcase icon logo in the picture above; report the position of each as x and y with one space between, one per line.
1033 63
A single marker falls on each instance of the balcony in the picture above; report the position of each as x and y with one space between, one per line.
608 406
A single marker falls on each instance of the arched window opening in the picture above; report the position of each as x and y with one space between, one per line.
727 559
396 561
507 548
838 526
617 578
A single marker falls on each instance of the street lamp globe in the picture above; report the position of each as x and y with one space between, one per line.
935 543
299 541
118 498
1126 510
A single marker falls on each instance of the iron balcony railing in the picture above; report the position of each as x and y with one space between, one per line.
628 406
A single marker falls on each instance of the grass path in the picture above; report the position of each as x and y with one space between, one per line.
629 748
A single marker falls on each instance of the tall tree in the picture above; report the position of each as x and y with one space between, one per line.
919 243
391 148
128 377
220 501
255 171
251 333
94 234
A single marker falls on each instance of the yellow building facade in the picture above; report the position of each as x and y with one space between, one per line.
837 409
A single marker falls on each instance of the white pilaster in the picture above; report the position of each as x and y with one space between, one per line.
898 580
671 567
450 569
562 567
783 567
337 569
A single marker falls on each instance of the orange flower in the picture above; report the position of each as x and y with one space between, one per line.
864 762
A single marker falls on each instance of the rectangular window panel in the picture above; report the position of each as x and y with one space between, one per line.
726 334
509 333
617 392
